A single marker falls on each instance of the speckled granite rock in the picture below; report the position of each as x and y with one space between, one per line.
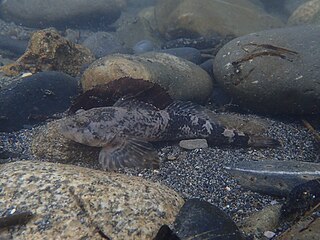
78 203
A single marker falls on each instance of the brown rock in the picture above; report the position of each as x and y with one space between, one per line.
193 18
70 202
47 51
182 79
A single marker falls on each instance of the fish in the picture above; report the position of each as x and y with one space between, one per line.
126 130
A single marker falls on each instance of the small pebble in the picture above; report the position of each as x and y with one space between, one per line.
269 234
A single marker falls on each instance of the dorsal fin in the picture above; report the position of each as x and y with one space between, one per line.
187 108
132 103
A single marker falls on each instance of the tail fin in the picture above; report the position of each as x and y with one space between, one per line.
262 142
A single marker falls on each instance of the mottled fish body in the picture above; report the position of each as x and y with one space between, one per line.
125 131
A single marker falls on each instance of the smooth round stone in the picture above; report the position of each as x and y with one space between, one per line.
31 100
275 71
61 13
103 43
182 79
70 202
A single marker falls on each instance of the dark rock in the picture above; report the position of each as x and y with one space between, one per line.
200 220
31 100
274 177
301 199
273 71
15 46
107 94
208 66
165 233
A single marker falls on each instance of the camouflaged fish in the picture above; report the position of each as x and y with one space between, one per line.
125 130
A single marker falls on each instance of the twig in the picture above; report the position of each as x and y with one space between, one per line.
312 130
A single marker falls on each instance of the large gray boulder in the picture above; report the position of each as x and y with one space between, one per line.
275 71
61 13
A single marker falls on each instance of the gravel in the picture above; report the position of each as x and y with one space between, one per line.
200 173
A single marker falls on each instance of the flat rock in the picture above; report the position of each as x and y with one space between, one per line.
61 13
31 100
274 71
77 203
274 177
191 18
182 79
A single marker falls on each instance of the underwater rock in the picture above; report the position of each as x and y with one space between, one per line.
307 228
274 177
191 18
108 94
274 71
48 143
302 198
61 13
182 79
187 53
103 43
31 100
137 29
259 222
48 51
306 13
199 219
72 202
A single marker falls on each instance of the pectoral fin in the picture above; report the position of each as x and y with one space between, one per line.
128 152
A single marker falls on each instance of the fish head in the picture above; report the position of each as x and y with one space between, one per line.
83 129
